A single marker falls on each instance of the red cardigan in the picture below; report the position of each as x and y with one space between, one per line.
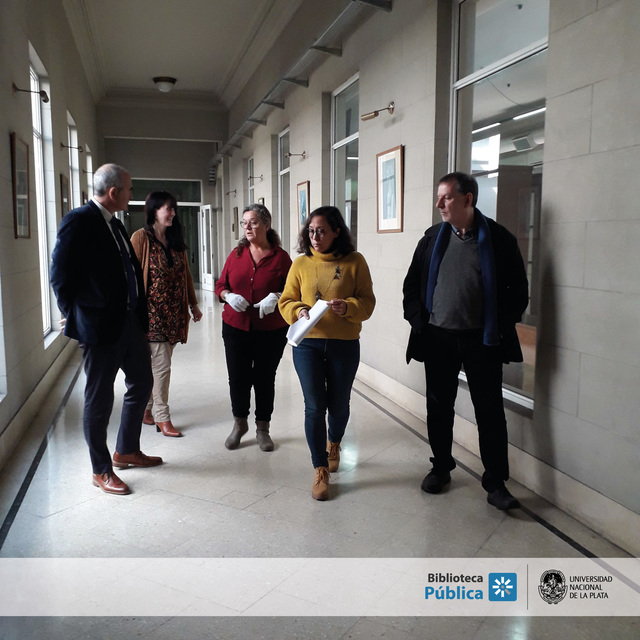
253 282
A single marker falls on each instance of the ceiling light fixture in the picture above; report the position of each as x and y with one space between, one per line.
530 113
374 114
489 126
164 83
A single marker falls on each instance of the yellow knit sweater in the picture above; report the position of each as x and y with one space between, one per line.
343 277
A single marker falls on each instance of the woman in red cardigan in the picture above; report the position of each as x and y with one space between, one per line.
161 250
253 330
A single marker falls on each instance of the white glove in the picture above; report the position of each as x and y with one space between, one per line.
236 302
267 305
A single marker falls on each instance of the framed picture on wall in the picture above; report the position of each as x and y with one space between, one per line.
64 194
389 183
303 203
236 224
20 177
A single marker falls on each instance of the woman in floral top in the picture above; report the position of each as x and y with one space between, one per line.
162 253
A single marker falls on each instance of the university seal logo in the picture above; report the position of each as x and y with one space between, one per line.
552 587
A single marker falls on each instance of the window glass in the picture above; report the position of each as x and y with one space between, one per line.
284 191
345 154
38 116
346 112
182 190
251 180
499 138
346 180
491 30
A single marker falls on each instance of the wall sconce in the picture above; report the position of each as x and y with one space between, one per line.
374 114
234 191
303 155
80 148
164 83
42 92
254 178
85 171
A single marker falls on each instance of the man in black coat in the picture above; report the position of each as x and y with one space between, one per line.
98 283
464 292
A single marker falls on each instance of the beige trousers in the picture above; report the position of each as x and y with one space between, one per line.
161 353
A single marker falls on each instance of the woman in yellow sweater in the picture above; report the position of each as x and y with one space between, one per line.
326 361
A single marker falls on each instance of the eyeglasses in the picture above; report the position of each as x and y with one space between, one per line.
318 233
250 223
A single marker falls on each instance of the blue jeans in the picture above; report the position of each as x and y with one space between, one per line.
326 369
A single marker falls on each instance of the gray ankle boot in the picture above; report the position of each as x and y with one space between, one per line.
240 427
262 435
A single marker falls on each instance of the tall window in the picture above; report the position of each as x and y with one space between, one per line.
344 146
499 105
74 163
41 121
284 189
89 171
251 179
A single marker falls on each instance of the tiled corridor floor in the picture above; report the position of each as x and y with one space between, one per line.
206 501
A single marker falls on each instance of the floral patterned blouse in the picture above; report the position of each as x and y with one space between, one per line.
165 294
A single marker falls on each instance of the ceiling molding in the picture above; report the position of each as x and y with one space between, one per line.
272 20
153 99
82 27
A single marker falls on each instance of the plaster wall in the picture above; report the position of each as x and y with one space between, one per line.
583 423
25 355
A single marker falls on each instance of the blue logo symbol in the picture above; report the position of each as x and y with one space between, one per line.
503 587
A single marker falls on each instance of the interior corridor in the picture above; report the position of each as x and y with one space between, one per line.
208 502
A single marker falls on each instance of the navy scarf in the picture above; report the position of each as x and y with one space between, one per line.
491 335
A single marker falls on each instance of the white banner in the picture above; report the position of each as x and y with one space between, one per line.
319 587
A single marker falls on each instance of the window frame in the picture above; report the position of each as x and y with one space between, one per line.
284 217
336 145
457 85
40 172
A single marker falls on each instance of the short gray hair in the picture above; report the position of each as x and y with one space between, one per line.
107 176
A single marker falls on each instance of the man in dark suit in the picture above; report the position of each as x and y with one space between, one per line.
98 282
464 292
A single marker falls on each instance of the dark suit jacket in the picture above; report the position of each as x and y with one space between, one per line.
512 290
89 280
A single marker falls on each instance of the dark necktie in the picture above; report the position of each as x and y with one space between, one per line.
126 263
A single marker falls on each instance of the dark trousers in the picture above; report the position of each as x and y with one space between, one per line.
445 353
326 369
101 364
252 361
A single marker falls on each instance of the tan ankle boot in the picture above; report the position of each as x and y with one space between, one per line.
147 418
240 427
320 489
262 435
334 456
167 429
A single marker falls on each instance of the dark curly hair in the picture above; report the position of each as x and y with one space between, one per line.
156 200
342 245
265 217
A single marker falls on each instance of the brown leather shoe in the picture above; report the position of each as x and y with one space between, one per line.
147 418
138 459
320 489
168 429
110 483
